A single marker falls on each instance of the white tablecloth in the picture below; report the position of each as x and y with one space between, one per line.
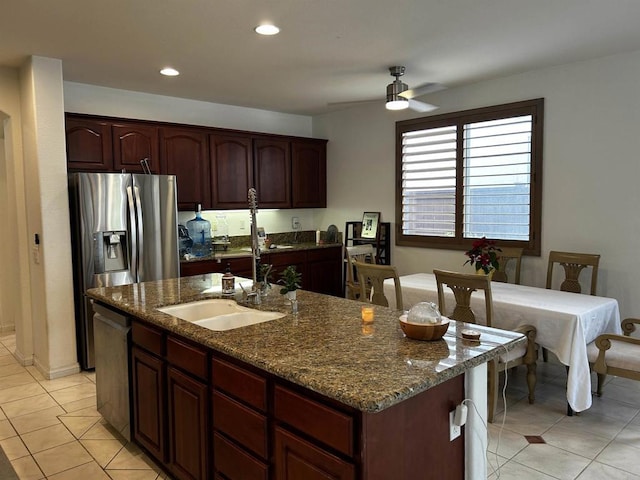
565 322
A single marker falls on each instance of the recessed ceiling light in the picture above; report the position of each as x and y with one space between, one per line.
170 72
267 29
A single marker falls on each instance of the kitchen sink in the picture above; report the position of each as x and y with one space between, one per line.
219 314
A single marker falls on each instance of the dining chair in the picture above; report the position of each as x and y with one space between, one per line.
357 253
463 285
508 256
573 264
611 354
371 279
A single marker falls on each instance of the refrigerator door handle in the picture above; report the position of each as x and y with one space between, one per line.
140 230
134 234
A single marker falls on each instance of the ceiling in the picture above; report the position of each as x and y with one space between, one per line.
327 51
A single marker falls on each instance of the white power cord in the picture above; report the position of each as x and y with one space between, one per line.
463 412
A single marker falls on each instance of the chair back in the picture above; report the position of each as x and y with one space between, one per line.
372 277
573 264
508 256
463 285
360 253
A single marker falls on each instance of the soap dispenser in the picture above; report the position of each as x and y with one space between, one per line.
228 282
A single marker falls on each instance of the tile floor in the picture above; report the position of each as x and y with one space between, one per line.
51 429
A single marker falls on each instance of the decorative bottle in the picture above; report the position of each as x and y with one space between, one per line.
228 282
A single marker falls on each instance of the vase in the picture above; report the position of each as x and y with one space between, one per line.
489 274
290 296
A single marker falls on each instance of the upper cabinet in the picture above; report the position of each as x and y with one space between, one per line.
231 170
132 144
213 167
183 153
309 174
272 172
88 145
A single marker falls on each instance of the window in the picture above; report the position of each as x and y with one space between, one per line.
465 175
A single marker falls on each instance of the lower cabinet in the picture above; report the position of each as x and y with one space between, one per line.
187 415
297 459
321 268
203 415
148 402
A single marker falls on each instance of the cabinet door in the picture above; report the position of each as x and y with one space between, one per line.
183 153
132 143
88 145
297 459
187 426
282 260
325 271
231 170
148 402
272 172
309 174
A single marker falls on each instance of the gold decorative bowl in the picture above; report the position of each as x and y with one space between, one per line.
424 331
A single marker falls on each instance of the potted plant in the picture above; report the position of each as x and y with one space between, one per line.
291 281
483 256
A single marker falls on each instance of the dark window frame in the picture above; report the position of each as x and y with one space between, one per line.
534 107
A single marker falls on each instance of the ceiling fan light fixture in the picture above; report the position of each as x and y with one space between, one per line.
394 100
399 103
267 29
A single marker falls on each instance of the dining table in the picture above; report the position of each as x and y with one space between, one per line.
565 322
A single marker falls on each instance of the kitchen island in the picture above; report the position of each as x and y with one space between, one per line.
306 396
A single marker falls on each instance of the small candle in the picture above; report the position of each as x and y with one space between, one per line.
367 314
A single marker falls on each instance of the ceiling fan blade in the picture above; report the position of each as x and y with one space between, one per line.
419 106
423 90
353 102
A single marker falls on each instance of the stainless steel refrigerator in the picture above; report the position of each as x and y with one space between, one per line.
124 230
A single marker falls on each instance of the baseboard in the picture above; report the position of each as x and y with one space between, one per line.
58 372
8 328
22 360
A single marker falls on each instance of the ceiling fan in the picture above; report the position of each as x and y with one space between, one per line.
400 96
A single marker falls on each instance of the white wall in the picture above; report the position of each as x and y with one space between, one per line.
591 167
14 249
54 339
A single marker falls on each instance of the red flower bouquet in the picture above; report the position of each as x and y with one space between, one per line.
483 255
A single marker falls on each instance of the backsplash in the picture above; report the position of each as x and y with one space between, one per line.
239 221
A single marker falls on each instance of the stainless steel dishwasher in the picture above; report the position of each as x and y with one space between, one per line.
111 332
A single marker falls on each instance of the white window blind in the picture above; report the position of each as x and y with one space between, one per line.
497 178
429 182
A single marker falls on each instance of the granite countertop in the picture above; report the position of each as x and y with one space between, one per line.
238 252
324 347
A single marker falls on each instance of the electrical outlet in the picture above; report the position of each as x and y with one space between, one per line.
454 430
295 223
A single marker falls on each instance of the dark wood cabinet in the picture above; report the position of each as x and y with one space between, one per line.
148 402
214 167
187 414
282 260
88 145
324 271
183 153
309 174
272 172
240 267
297 459
133 142
231 170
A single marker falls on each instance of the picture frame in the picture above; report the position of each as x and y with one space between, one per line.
370 221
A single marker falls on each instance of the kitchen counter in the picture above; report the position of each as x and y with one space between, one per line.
245 252
325 347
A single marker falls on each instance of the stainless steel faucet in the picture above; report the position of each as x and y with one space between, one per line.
254 295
